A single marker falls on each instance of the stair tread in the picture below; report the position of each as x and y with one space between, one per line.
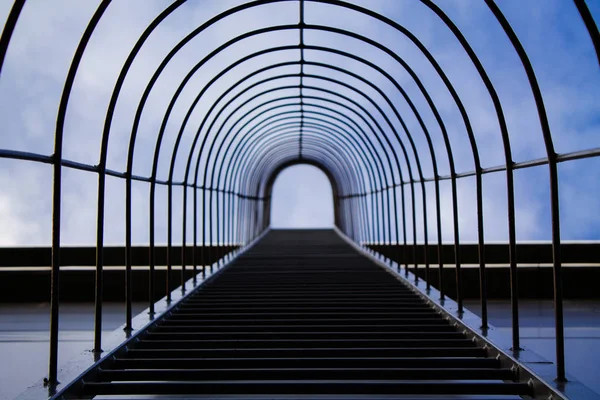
294 319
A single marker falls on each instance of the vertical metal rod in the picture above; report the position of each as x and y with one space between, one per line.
260 209
339 215
169 239
241 214
57 182
259 216
348 205
255 218
211 255
425 239
99 265
225 228
378 198
380 208
194 253
478 170
347 209
245 221
383 239
440 252
226 218
389 217
459 292
225 232
361 207
218 241
221 225
342 215
342 219
379 214
356 209
386 217
54 279
112 106
558 286
414 226
151 254
512 249
355 201
364 207
554 197
396 223
366 210
248 219
481 251
374 211
215 227
203 253
231 220
404 247
238 218
256 213
183 237
128 299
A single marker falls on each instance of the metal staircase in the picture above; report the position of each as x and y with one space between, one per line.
303 314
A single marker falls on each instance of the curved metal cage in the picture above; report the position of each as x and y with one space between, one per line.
291 90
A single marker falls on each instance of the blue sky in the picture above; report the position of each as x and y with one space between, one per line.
47 34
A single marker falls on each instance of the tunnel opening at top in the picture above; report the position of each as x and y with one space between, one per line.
302 198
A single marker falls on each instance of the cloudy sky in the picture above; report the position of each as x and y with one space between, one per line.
48 32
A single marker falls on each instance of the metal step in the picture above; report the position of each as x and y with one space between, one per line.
302 316
313 387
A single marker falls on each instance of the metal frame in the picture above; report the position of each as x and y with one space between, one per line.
265 126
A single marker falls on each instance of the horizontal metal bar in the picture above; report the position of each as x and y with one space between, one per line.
79 166
26 156
531 163
578 155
